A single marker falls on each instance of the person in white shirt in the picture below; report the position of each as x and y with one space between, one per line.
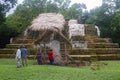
18 57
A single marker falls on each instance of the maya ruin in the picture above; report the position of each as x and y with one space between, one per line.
79 42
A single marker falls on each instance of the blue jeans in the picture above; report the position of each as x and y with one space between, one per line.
51 61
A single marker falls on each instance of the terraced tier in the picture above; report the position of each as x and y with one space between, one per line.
7 51
88 51
102 40
13 46
24 41
12 51
103 45
100 53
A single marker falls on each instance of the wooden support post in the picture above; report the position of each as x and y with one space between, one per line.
44 53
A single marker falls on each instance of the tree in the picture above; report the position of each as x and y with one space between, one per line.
107 18
75 11
5 6
115 25
6 33
30 9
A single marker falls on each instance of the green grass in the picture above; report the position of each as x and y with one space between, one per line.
8 71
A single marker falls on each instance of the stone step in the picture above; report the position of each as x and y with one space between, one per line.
87 56
7 51
98 57
81 56
102 40
18 45
13 51
13 56
103 45
24 41
85 51
75 51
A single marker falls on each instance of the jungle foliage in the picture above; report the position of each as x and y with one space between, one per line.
5 31
107 16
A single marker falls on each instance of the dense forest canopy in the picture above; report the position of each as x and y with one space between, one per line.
5 31
107 16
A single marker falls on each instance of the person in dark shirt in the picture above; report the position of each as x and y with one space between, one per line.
50 57
24 55
38 57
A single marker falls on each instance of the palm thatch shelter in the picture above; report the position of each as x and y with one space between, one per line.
50 27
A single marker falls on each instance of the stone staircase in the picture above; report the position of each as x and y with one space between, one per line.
99 48
9 51
96 51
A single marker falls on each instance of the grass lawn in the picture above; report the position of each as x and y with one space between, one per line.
8 71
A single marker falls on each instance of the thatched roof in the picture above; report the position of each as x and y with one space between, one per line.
48 21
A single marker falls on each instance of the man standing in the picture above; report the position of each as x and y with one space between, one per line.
24 55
